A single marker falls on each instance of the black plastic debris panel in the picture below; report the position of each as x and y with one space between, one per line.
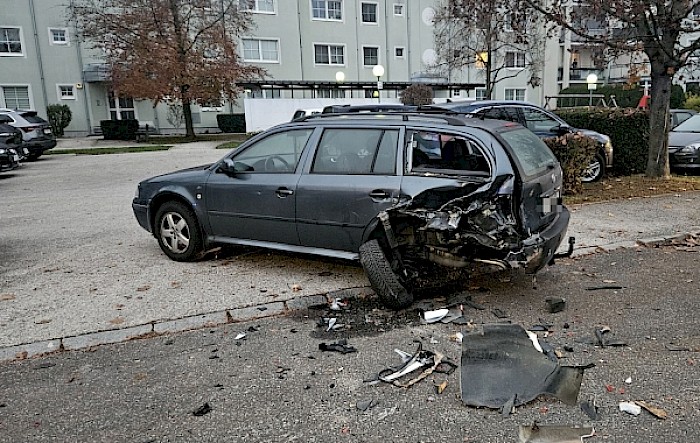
502 365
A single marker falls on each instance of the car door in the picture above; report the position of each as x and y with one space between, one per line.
351 179
258 200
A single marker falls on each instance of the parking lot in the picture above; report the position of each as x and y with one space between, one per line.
74 260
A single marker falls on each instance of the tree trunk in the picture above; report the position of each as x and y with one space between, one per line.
657 160
189 127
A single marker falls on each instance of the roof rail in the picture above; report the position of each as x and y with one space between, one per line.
451 118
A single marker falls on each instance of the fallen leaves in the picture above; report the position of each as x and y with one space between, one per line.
7 297
117 320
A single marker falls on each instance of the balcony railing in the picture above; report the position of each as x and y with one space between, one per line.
578 75
97 72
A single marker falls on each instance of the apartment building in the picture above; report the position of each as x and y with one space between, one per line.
309 48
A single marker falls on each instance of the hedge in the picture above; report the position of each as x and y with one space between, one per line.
628 130
624 97
119 129
575 152
231 122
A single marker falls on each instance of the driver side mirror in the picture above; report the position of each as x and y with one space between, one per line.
561 129
227 167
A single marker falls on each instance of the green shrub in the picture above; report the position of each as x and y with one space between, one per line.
231 122
119 129
692 102
575 152
417 95
628 130
59 117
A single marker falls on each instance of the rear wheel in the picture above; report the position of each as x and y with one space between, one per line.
178 232
595 170
385 282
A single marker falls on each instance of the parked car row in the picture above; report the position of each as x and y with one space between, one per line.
23 136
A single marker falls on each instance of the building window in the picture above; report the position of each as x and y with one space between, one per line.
260 6
16 97
480 94
329 55
515 60
369 13
121 108
456 93
10 41
261 50
329 93
515 94
66 92
58 36
398 9
399 52
327 9
370 56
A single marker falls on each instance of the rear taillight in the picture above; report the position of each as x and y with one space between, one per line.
30 128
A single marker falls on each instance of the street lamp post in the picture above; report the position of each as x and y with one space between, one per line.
340 78
378 71
592 81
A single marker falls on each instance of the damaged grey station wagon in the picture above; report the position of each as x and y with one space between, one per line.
407 194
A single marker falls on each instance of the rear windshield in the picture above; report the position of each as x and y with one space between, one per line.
32 118
530 152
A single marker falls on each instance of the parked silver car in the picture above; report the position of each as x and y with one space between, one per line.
36 132
362 186
684 145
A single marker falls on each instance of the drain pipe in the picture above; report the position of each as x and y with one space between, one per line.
86 92
38 53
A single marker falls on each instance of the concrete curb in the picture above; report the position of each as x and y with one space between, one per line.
157 328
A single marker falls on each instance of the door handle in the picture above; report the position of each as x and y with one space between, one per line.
379 193
283 192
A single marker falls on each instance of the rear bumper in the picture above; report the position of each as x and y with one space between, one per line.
539 249
39 146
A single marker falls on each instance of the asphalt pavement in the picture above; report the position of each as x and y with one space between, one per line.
267 380
78 271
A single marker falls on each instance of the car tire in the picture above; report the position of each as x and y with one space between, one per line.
178 232
385 282
595 170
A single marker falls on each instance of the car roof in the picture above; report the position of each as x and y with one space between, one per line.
478 104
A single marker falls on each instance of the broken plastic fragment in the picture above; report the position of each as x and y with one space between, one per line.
605 337
653 410
240 336
434 316
426 360
555 304
553 434
628 380
499 313
364 405
338 304
202 410
630 408
590 409
440 388
339 346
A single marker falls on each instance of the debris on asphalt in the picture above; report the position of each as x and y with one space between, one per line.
590 408
599 288
330 323
653 410
338 304
499 313
434 316
536 433
509 406
457 337
440 387
339 346
630 408
365 405
387 412
676 348
474 305
555 304
240 336
628 380
427 361
503 361
202 410
605 337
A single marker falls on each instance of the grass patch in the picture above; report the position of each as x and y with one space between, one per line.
113 150
620 188
229 145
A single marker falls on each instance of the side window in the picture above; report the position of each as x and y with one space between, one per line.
277 153
501 113
446 152
356 151
538 121
529 151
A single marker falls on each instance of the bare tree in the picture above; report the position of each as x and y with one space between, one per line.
653 27
491 35
182 50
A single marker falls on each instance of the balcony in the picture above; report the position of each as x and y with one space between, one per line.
96 72
578 75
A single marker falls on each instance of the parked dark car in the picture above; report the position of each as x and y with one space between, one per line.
12 137
36 132
540 121
9 159
360 186
379 107
684 145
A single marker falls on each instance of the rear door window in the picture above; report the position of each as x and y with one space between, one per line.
449 153
530 152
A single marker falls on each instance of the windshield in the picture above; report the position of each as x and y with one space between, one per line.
690 125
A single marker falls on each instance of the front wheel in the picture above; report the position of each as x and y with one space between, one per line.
178 232
385 282
595 170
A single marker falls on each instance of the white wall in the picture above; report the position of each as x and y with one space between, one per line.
261 114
